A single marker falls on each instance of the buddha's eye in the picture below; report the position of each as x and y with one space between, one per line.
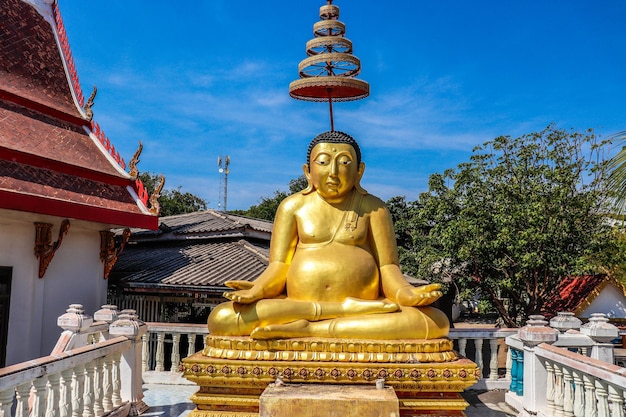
344 160
322 160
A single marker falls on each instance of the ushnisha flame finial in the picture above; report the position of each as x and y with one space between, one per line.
328 74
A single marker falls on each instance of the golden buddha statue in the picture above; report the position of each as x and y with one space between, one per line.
333 268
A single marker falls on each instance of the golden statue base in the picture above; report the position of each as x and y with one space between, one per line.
233 372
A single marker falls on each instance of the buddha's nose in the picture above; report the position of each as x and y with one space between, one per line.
334 168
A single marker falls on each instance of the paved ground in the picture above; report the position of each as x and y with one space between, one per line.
487 404
173 401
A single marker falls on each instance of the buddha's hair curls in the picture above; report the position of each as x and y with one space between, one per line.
334 136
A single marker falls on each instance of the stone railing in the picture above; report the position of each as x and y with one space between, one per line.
165 344
93 370
486 347
566 369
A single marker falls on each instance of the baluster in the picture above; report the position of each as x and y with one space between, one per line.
509 363
203 343
616 402
558 391
493 363
579 395
584 351
514 370
78 388
479 355
6 401
591 404
462 346
568 393
54 395
160 355
145 353
22 392
191 344
107 385
603 400
550 388
39 397
116 380
175 352
98 409
65 406
88 392
520 373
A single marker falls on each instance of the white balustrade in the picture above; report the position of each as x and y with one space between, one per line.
81 378
576 385
166 343
495 339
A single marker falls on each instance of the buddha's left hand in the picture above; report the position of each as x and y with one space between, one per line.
418 296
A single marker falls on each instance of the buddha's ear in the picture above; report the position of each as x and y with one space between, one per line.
360 172
361 169
307 174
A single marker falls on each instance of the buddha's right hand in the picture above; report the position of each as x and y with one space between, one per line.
239 285
245 292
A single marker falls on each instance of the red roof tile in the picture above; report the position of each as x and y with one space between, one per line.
32 133
572 293
49 163
32 64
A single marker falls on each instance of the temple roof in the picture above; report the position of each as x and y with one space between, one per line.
576 293
54 159
194 252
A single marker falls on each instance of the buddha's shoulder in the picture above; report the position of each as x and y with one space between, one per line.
293 202
371 202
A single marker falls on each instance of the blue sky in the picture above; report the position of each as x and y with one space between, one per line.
195 80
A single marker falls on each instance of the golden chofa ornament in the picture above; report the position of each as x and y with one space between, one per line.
328 74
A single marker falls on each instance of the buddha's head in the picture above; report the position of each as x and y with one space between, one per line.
334 167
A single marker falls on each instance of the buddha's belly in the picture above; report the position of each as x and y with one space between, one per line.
332 273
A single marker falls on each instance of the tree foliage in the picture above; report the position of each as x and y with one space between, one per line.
173 200
513 221
617 175
267 207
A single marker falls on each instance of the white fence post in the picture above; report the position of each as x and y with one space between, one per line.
133 329
602 332
535 332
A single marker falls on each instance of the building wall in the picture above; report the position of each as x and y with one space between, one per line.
610 301
75 275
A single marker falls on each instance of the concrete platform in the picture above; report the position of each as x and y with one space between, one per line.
173 401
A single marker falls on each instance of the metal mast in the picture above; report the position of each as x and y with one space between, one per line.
223 163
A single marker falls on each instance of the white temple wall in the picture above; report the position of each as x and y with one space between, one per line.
75 275
610 301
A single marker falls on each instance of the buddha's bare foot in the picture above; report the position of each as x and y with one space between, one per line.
355 306
299 328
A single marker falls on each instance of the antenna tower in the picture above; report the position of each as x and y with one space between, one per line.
223 163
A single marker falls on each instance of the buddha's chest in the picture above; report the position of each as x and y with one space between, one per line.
342 227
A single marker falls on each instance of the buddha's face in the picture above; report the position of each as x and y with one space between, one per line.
333 170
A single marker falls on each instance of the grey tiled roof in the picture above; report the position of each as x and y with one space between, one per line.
194 252
189 264
208 223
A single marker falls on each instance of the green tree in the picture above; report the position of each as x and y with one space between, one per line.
173 200
267 207
617 174
513 221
